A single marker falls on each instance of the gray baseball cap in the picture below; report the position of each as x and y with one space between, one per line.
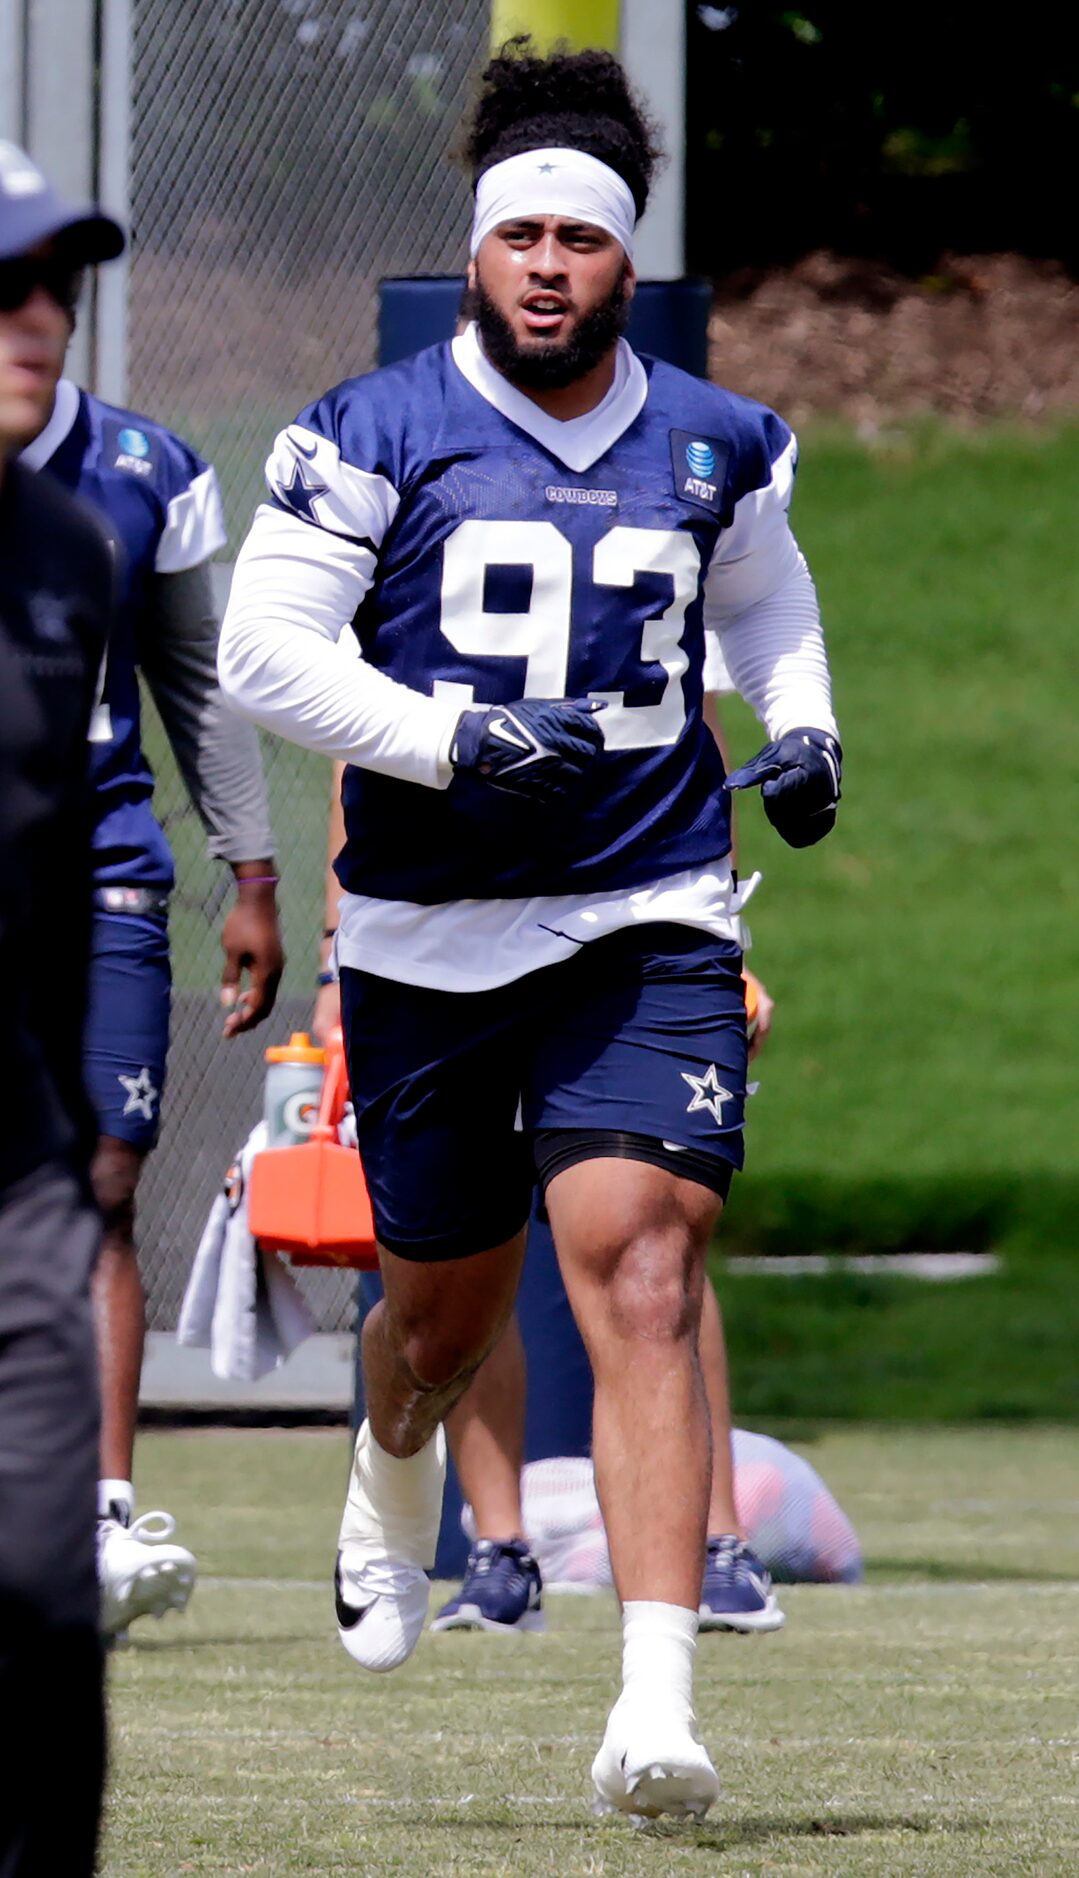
31 212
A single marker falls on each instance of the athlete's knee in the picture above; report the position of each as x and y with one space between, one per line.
115 1174
437 1356
437 1346
441 1325
652 1290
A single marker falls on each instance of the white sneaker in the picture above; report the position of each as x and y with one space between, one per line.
652 1761
140 1573
385 1552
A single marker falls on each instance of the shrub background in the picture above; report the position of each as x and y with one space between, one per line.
900 132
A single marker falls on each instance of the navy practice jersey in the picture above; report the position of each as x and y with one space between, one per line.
497 572
161 506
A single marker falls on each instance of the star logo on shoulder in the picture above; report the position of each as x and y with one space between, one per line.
141 1094
708 1093
299 494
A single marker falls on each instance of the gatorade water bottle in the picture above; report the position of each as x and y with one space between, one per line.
293 1087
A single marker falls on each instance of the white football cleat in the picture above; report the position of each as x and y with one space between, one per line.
389 1530
140 1573
652 1761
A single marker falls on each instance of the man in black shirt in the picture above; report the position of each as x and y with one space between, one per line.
55 600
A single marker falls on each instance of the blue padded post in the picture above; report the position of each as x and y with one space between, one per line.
669 318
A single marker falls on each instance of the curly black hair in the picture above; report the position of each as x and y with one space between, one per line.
580 100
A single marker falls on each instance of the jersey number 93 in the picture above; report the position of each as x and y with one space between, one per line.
541 636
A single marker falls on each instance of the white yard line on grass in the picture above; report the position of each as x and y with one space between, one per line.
951 1587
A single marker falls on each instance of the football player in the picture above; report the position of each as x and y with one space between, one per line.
162 508
532 533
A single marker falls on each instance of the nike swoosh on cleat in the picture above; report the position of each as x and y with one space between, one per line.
347 1614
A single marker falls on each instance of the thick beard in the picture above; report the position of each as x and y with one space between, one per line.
551 365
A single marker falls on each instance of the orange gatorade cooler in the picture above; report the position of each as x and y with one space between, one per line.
310 1199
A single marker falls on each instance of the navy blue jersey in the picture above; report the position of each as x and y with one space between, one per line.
161 506
498 572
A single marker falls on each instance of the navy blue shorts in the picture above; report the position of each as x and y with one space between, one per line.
642 1032
127 1026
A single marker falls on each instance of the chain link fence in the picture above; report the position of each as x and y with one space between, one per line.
285 155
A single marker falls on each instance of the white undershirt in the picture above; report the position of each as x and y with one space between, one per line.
472 945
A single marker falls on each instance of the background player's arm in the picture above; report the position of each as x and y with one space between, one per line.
222 770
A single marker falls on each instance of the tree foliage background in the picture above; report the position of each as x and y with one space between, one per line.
897 132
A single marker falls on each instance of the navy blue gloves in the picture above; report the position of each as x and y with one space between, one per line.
538 747
799 778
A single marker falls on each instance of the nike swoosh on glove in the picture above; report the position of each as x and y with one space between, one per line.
538 747
799 778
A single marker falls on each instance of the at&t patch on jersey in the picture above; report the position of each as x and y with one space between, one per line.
700 468
134 451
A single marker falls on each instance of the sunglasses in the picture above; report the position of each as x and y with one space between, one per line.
18 278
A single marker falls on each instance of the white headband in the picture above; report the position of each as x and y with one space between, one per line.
554 182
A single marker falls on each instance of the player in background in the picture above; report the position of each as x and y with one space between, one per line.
533 533
162 508
56 581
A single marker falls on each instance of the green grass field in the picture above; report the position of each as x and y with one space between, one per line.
925 1724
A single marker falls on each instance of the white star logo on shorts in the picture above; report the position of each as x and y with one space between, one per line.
141 1095
708 1093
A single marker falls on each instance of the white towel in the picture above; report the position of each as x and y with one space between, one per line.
241 1303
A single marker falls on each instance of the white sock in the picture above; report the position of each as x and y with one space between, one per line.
397 1502
659 1642
113 1495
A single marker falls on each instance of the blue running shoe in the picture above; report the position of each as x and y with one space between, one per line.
737 1590
501 1592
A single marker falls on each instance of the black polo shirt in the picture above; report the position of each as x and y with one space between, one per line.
56 581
